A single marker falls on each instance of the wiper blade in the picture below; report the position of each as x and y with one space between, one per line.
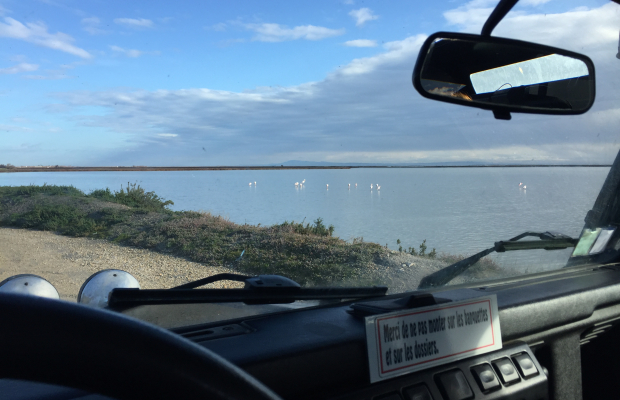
548 241
262 289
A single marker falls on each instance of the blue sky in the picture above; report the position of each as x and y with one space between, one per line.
251 83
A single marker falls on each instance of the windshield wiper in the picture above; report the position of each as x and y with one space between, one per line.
261 289
548 241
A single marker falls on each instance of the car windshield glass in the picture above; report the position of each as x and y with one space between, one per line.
183 140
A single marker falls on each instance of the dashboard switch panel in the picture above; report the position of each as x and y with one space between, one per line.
485 377
506 371
454 386
490 376
525 365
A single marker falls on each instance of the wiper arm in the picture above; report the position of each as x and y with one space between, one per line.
548 241
262 289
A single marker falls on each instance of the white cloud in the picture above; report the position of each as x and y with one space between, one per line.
219 27
13 128
18 58
532 2
132 53
267 32
167 134
396 53
366 111
49 77
361 43
134 22
36 33
471 16
362 16
55 74
555 153
92 25
23 67
127 52
565 29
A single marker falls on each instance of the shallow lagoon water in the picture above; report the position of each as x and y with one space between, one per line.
457 210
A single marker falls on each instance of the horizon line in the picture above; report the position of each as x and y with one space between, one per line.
275 167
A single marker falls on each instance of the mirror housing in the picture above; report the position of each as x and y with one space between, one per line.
504 75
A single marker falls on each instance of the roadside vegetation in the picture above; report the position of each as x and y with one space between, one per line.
305 252
421 252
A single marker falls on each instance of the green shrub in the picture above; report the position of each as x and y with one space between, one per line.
420 253
32 190
318 229
58 217
133 196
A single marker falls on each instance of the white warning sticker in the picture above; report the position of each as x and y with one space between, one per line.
420 338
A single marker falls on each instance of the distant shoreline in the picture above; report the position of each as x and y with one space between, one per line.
276 168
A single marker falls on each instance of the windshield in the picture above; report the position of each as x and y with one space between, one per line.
182 140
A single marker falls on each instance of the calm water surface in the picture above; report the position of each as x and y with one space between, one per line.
457 210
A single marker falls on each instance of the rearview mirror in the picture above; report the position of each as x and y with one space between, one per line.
503 75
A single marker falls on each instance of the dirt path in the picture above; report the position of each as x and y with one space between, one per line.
67 261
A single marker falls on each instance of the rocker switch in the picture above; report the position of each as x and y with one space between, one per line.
419 392
506 371
525 365
485 377
454 386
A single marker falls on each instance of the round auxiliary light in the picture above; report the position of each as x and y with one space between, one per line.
95 291
29 284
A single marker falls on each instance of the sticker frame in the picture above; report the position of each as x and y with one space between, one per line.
374 340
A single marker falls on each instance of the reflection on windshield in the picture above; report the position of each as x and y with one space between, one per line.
549 68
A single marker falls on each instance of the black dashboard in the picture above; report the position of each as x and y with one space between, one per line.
558 332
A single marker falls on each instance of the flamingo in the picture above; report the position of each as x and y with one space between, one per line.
304 181
524 187
254 183
327 186
250 183
296 184
356 185
349 186
371 186
378 187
